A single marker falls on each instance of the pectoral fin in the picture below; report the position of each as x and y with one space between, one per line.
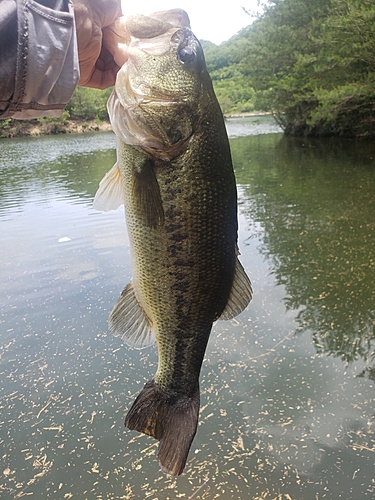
146 195
240 294
129 321
110 195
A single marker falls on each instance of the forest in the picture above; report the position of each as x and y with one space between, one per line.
309 62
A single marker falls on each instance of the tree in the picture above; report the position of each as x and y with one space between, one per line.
313 61
88 104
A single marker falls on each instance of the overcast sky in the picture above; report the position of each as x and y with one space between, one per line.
215 21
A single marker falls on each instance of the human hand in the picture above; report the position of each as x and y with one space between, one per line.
98 60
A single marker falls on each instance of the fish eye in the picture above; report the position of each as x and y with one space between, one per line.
186 55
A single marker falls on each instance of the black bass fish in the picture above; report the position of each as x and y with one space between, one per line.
174 174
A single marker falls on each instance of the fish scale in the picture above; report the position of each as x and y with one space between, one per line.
167 270
177 183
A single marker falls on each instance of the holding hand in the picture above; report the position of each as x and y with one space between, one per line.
98 60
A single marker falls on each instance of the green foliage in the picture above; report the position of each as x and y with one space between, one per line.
88 104
232 86
226 54
234 95
53 120
5 123
314 64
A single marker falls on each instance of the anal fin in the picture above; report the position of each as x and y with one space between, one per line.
129 321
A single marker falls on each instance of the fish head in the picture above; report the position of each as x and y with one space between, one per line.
159 93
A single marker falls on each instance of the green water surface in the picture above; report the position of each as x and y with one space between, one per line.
287 387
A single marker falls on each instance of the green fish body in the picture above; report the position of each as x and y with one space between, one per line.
174 173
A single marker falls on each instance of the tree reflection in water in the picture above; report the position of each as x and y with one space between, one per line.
313 201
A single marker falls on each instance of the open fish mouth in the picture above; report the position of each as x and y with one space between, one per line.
156 23
140 101
150 30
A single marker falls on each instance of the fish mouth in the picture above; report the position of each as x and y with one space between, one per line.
155 34
156 23
149 32
137 103
127 30
130 86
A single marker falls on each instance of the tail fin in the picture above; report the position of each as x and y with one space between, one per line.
170 419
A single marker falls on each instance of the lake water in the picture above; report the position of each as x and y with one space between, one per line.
287 387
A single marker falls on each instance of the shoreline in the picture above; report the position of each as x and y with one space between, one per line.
247 114
34 128
52 126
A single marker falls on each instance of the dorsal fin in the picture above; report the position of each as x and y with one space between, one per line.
240 294
129 321
110 194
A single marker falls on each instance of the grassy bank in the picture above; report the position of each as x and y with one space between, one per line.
48 126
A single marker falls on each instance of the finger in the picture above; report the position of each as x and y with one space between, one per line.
116 39
102 74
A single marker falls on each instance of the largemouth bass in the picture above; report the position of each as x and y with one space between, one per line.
174 174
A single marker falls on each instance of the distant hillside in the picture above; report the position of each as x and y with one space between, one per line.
233 88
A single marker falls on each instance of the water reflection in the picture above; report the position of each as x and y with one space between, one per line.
45 169
314 203
255 125
279 419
